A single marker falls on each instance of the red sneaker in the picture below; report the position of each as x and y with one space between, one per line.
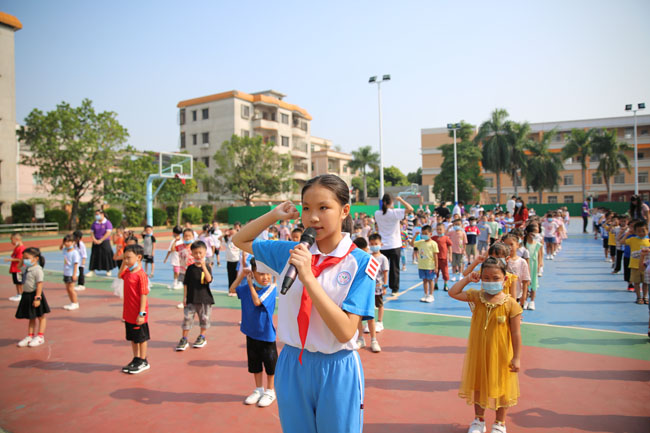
630 288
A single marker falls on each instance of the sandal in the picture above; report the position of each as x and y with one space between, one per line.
645 301
639 301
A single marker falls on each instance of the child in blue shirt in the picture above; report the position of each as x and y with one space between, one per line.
71 261
257 294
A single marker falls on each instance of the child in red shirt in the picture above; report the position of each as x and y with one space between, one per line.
16 265
444 252
136 307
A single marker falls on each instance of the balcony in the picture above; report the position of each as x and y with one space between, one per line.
299 147
259 123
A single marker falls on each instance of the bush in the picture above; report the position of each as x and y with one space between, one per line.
171 214
57 216
21 213
206 213
134 214
86 215
222 215
192 215
114 216
159 217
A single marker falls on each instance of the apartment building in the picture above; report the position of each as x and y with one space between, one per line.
206 122
570 188
9 24
325 159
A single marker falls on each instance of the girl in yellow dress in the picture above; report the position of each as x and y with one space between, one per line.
492 360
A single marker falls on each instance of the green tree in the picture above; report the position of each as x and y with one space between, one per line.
73 150
543 166
248 167
362 159
372 183
415 177
612 156
517 139
495 156
393 176
174 192
470 181
579 144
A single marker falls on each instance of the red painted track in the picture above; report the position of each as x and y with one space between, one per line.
73 382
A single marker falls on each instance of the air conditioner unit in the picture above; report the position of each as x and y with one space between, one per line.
205 145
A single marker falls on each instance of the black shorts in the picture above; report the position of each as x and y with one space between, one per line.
605 243
17 278
67 279
147 259
379 301
137 333
261 352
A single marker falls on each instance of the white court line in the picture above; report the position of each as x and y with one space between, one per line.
525 323
395 297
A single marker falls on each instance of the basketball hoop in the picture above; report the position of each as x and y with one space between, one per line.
178 176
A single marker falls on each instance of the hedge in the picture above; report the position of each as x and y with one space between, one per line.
114 216
86 215
21 213
222 215
171 214
58 216
192 215
159 217
206 211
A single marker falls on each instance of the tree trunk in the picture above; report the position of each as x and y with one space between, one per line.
609 191
584 187
73 214
498 187
178 212
514 181
365 187
540 195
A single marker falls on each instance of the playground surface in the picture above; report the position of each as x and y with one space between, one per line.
585 360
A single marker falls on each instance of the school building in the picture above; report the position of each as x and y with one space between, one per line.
207 121
570 187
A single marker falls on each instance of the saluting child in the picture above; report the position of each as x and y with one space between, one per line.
320 384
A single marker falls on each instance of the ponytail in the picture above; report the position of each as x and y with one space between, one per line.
35 252
346 226
385 201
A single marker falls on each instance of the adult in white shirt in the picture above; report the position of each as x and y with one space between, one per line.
456 210
388 226
510 205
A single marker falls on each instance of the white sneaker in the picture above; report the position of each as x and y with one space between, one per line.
531 305
404 268
255 396
108 273
366 330
15 298
71 306
498 428
80 288
551 257
267 398
430 299
177 286
36 341
476 426
90 274
453 277
423 299
526 304
231 294
180 306
25 341
379 326
361 342
374 346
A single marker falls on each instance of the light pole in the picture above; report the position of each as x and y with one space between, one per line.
628 107
454 127
381 150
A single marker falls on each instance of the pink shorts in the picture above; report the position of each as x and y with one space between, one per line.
177 269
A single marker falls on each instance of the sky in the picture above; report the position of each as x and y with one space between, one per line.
448 60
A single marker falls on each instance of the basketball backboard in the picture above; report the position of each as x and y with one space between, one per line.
175 165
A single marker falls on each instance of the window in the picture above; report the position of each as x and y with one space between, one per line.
285 140
204 113
644 131
568 199
622 197
493 199
558 136
182 140
195 139
532 199
639 155
245 133
36 179
205 138
269 139
312 166
285 119
206 161
619 178
594 158
182 116
568 161
489 182
629 132
245 111
552 199
568 179
643 177
193 115
596 179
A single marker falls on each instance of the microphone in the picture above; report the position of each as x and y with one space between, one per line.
308 238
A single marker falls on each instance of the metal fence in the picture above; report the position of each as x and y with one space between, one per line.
29 227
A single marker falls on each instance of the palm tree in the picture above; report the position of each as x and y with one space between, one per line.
517 138
496 156
363 158
612 156
543 167
580 144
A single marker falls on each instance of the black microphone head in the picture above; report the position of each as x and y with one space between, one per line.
309 236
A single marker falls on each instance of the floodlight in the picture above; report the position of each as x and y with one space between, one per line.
373 79
386 78
628 107
641 106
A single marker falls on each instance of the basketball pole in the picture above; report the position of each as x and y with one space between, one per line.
151 195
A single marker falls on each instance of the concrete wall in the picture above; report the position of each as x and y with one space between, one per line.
8 142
